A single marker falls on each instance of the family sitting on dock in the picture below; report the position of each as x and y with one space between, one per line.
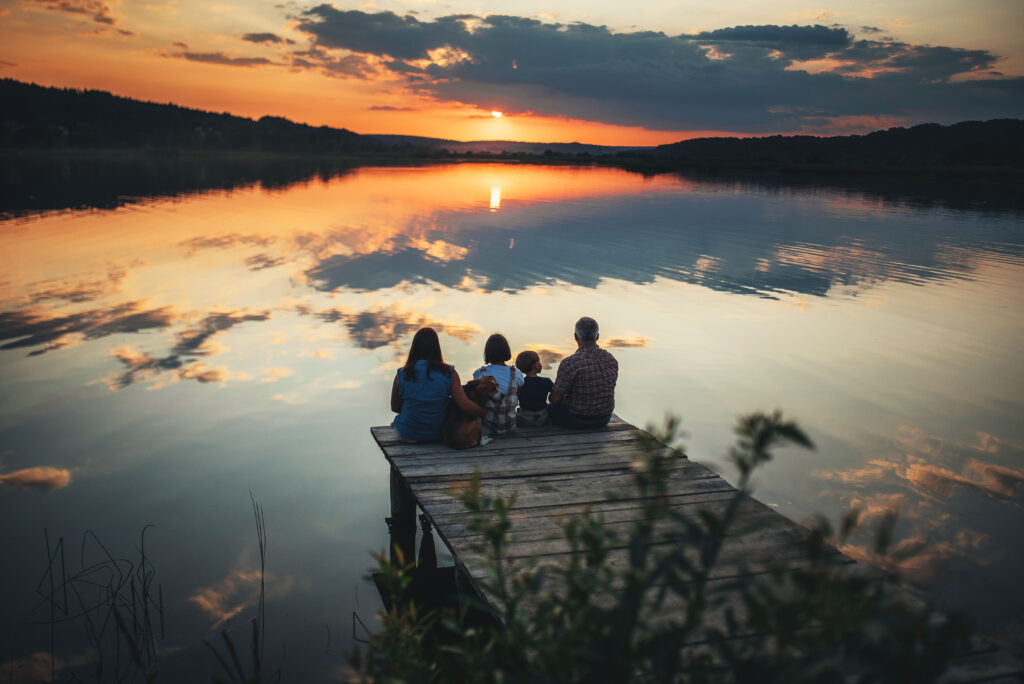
503 397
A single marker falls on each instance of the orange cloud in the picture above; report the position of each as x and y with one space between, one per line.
97 10
43 478
625 343
228 597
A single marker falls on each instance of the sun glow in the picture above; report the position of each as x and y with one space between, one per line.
497 115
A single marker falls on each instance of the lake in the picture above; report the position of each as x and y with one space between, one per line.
178 341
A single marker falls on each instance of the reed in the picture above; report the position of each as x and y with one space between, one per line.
114 600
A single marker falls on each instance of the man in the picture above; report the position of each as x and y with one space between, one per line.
584 391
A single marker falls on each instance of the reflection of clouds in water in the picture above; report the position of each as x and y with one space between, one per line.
40 666
915 465
141 367
35 327
240 589
43 478
726 248
387 326
275 374
924 480
226 242
85 290
181 364
987 479
194 341
229 597
549 357
627 343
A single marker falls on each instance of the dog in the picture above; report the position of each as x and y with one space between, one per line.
462 431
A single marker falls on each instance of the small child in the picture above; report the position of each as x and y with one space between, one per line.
533 397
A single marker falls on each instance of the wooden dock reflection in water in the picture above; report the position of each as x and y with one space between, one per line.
556 473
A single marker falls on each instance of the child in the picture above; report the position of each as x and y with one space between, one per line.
533 397
501 408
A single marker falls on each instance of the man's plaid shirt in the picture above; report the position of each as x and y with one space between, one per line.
587 380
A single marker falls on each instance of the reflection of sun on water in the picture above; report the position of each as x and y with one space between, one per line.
495 197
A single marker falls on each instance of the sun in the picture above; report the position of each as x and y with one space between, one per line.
497 115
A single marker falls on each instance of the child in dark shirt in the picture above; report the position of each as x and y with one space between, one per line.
533 395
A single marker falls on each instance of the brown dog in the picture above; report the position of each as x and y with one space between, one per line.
459 430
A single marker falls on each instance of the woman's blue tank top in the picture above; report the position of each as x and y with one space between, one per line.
424 402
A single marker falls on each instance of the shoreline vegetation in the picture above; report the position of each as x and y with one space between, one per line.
54 122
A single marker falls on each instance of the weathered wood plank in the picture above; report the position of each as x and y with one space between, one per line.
510 445
565 488
612 511
547 527
385 435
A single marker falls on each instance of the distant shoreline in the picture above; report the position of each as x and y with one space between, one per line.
647 164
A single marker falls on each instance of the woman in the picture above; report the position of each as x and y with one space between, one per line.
422 389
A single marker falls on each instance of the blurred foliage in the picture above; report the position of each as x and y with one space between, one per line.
665 616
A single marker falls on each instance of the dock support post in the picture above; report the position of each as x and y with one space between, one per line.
403 516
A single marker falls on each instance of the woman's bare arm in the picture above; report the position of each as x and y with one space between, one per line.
396 398
462 401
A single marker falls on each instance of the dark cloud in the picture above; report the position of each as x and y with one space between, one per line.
259 262
178 43
36 328
262 38
744 78
356 66
221 58
386 108
4 62
96 10
795 42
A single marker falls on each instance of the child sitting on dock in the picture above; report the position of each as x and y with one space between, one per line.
501 408
533 397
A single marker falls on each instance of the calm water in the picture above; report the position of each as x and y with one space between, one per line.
168 347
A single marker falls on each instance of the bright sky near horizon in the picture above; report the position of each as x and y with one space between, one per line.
591 71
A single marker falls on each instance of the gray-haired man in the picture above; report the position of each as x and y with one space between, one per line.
584 391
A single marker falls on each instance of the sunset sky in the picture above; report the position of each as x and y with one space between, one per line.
596 71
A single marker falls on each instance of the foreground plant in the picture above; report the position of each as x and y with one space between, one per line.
675 610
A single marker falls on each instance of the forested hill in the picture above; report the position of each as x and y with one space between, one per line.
997 142
40 117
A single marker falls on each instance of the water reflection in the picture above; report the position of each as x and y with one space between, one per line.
43 478
32 183
386 326
272 319
49 331
947 494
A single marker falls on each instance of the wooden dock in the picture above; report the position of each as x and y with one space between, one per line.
557 473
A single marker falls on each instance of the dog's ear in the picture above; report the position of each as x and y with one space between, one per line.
470 386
